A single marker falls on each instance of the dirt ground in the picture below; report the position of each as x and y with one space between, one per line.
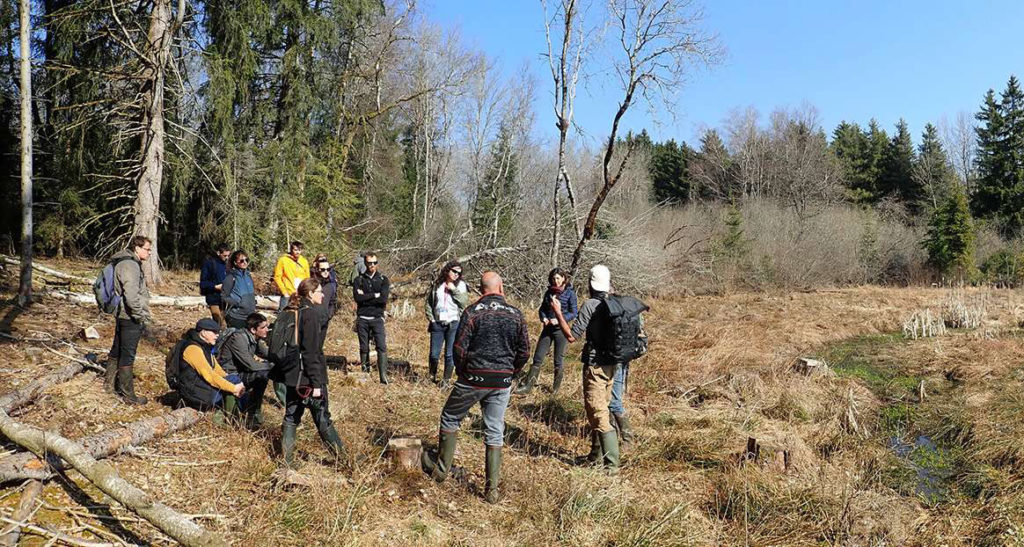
720 371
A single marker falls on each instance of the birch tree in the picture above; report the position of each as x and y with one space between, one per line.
25 37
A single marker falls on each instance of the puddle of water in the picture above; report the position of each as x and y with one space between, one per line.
929 461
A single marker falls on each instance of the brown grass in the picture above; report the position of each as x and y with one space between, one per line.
719 371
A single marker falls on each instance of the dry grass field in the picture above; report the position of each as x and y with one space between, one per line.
850 456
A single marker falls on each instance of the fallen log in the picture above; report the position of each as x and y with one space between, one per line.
25 508
49 271
30 392
105 477
262 302
26 465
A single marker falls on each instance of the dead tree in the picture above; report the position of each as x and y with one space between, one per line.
660 40
25 284
565 72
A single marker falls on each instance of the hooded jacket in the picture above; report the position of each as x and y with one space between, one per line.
567 298
130 283
288 273
211 275
492 343
239 293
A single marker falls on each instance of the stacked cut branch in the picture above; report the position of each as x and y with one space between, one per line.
51 452
262 302
49 271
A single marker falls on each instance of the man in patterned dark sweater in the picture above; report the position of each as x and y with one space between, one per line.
491 345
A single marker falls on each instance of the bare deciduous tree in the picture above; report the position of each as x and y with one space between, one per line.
659 41
959 140
806 175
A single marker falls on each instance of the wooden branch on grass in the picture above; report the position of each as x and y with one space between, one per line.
105 477
31 391
48 271
26 465
25 509
262 302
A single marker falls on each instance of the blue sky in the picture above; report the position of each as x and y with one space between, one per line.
918 60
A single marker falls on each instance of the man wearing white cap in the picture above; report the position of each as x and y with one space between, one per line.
599 366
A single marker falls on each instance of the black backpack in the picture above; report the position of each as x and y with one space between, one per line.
283 337
628 340
172 363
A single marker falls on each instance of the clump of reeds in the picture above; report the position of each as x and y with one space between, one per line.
924 324
960 311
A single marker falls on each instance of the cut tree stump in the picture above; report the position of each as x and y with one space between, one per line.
810 367
405 452
31 391
105 477
26 465
89 333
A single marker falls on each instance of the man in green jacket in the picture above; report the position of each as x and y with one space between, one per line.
132 317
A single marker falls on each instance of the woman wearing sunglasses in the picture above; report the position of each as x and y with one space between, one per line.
324 273
238 290
446 299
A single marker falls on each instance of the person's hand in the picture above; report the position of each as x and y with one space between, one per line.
450 286
556 306
359 291
317 393
239 390
218 286
376 295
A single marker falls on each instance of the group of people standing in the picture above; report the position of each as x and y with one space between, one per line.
227 361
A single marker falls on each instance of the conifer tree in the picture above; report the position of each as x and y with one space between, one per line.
670 181
932 171
851 147
897 176
999 190
951 236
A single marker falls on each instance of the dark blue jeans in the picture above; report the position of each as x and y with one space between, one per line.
442 333
218 398
619 390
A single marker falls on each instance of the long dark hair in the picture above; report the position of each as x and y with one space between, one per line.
443 275
557 271
306 287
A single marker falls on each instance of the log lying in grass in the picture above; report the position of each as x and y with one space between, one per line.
49 271
24 511
105 477
262 302
31 391
26 465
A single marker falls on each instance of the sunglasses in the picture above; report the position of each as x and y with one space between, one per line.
323 270
457 272
242 261
371 263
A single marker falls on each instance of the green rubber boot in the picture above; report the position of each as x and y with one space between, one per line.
126 386
624 428
382 366
226 415
492 465
110 375
610 446
288 444
332 440
531 378
596 454
438 470
559 374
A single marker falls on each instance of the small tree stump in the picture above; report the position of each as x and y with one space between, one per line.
89 333
405 452
810 367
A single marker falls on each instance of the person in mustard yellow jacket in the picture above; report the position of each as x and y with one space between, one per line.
290 270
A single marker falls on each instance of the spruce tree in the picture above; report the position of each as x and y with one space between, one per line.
851 147
999 193
670 181
950 240
932 171
897 177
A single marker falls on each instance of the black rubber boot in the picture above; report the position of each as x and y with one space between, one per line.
624 428
610 447
492 465
364 360
433 370
438 469
110 375
382 366
288 444
332 440
531 377
126 387
559 374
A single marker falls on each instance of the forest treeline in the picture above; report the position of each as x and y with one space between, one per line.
354 124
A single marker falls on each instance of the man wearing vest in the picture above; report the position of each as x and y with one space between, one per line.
132 316
370 291
202 382
237 352
291 269
599 366
491 346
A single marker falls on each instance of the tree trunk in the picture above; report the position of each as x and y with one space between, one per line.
105 477
26 465
18 398
88 299
147 203
25 284
49 271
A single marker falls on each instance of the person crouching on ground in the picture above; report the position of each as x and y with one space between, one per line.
244 352
551 334
305 376
446 299
491 345
204 384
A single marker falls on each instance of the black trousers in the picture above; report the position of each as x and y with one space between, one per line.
366 328
295 405
127 334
